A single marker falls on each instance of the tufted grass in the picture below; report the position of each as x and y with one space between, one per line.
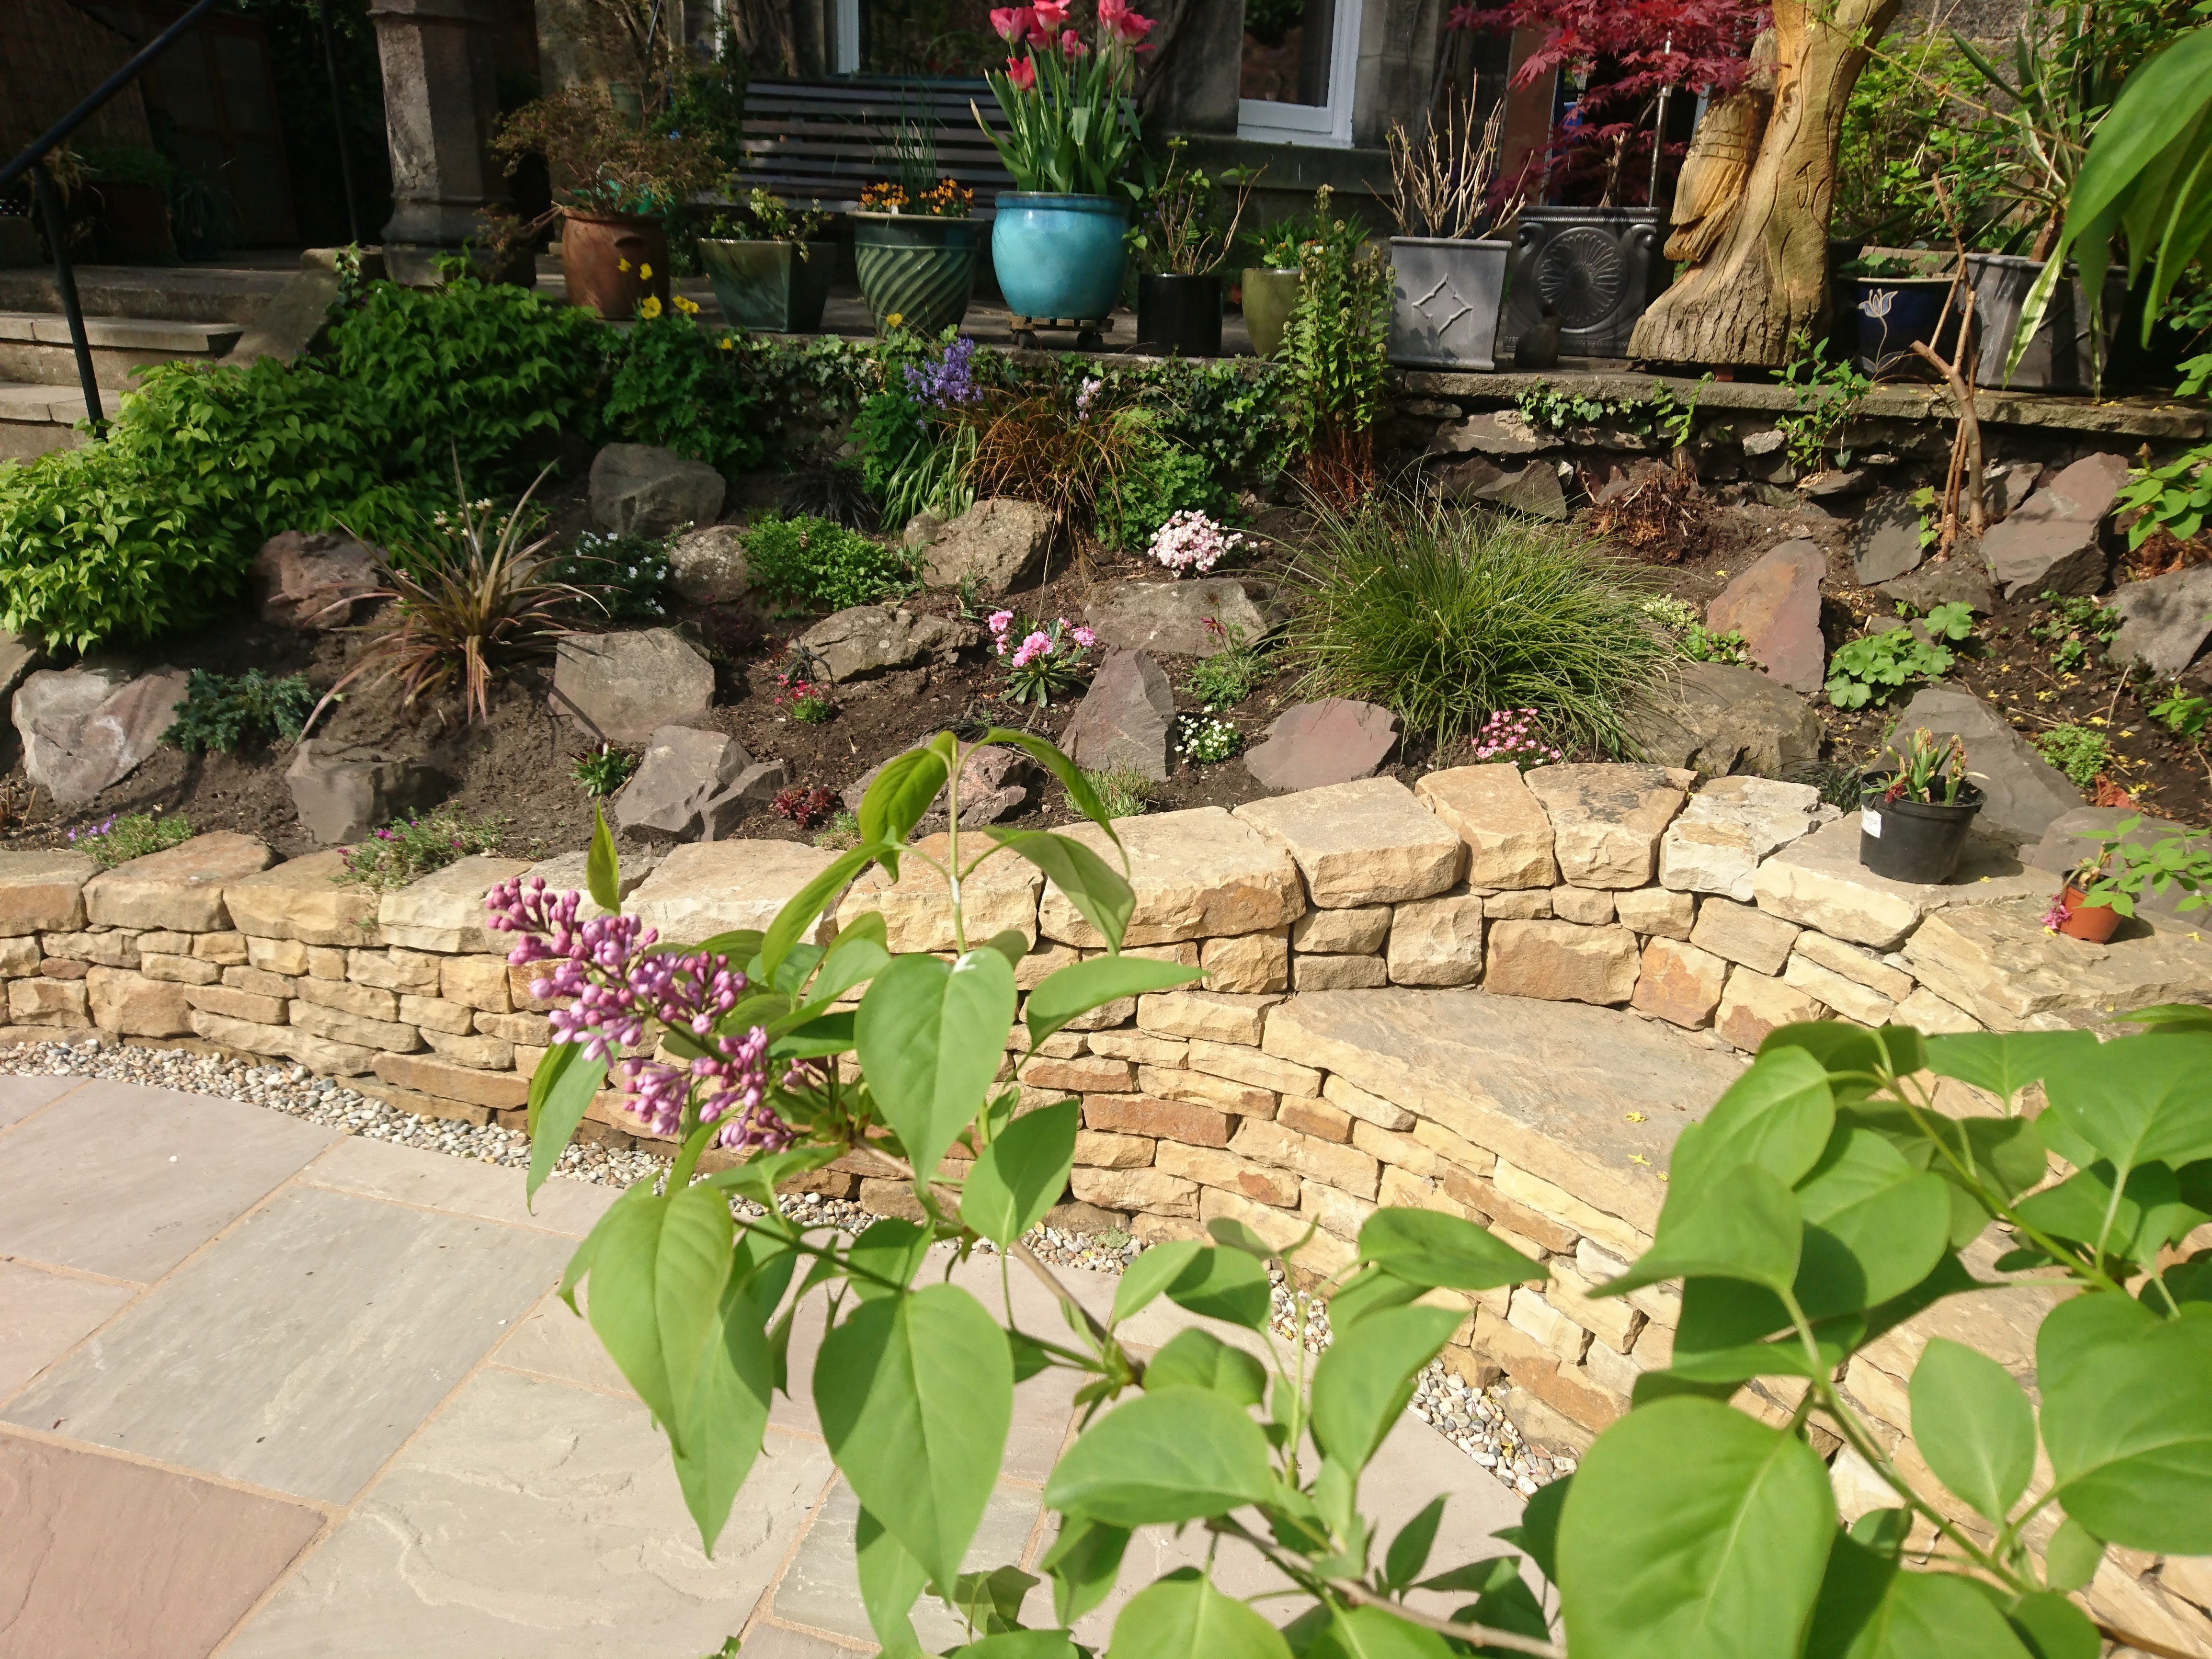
1444 616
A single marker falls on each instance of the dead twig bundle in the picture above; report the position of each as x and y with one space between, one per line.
1659 517
1440 176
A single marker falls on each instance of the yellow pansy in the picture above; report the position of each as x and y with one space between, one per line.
648 308
894 319
622 265
645 273
688 307
727 343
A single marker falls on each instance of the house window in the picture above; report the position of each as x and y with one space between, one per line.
1295 83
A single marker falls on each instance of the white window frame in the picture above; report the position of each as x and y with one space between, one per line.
1324 126
845 37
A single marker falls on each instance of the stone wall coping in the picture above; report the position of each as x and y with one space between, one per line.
705 888
42 891
180 887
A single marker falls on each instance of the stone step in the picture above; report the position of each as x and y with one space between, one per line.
231 293
35 346
35 418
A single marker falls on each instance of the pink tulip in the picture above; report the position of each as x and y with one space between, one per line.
1022 73
1072 46
1116 18
1012 23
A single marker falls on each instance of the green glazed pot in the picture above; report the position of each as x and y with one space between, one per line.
766 285
915 268
1270 296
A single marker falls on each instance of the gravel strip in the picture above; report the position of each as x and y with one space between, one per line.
1472 1419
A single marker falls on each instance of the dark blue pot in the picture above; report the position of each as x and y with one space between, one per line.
1060 256
1895 312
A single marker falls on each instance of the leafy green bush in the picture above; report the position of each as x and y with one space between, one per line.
1871 668
1445 617
221 711
2080 753
154 526
1230 675
1701 645
466 369
1163 479
677 387
599 775
116 840
1335 351
627 575
2077 625
814 561
401 852
1823 1200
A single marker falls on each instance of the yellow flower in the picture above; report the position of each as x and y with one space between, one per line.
648 308
894 319
645 273
622 265
688 307
727 343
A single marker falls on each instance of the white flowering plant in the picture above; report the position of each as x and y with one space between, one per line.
1043 661
1189 540
1207 739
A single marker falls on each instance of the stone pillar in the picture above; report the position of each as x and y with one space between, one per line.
1192 86
1398 41
440 107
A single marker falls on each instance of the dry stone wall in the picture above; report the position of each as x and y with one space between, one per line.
1499 995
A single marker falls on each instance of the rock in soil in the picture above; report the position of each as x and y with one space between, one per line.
342 793
868 639
85 728
623 687
1961 579
2168 618
650 491
1888 544
991 546
2052 541
1170 618
994 785
1124 720
682 770
1716 717
313 581
1336 740
1776 606
708 566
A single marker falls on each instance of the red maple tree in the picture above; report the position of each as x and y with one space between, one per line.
1628 52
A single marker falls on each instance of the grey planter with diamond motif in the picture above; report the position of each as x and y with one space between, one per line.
1449 294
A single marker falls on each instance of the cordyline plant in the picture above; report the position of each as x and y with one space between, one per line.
1822 1201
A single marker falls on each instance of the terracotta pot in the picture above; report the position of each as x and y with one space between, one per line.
2095 922
595 247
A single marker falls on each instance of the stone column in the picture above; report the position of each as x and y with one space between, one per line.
440 107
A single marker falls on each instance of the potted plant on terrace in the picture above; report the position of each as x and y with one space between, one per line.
916 252
1056 245
1188 226
767 270
2106 886
614 182
1913 821
1450 279
1271 287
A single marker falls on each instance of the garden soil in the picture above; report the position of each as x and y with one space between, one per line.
516 766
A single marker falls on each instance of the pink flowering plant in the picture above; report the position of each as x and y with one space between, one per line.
1068 101
1822 1201
1043 661
1515 735
1189 540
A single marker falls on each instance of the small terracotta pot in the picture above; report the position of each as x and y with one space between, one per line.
2093 923
595 247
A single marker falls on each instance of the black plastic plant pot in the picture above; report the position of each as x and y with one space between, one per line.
1915 841
1180 315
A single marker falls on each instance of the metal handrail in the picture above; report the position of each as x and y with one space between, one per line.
33 159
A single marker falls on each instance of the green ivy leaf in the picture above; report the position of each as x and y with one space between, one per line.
1093 886
1875 1226
2138 1099
1432 1250
1197 1358
1872 1608
1083 1563
2004 1063
1022 1173
561 1093
1745 1224
1777 1116
1361 1384
916 1394
1149 1276
896 800
1067 993
603 867
1179 1454
1693 1532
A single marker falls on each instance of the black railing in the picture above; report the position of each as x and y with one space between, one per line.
33 161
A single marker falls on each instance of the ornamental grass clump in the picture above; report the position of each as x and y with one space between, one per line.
1445 617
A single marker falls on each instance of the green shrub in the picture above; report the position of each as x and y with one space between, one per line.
467 370
1445 618
221 711
1230 675
2079 752
628 574
599 775
401 852
1871 668
1122 791
814 561
119 840
1164 479
679 388
153 527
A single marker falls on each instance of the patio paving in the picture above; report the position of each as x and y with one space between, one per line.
275 1393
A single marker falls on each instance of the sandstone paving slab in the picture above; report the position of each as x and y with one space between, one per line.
437 1181
1999 964
1547 1085
44 1314
118 1179
768 1640
550 1342
444 911
1607 819
301 1352
534 1519
42 891
100 1558
821 1588
20 1096
179 888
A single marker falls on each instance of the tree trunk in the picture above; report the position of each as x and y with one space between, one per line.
1768 278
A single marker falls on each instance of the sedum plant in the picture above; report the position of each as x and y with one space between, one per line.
1822 1201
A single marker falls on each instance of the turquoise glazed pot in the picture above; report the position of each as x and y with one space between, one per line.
1060 256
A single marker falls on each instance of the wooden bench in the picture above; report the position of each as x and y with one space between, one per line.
825 140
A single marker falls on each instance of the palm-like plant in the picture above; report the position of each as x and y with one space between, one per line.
465 607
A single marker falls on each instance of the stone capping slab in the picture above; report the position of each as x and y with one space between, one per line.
917 914
1367 842
1197 874
43 893
444 911
301 899
1507 832
705 888
181 888
1607 819
1818 882
1547 1085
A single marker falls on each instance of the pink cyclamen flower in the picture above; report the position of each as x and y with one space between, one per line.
1022 73
1012 23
